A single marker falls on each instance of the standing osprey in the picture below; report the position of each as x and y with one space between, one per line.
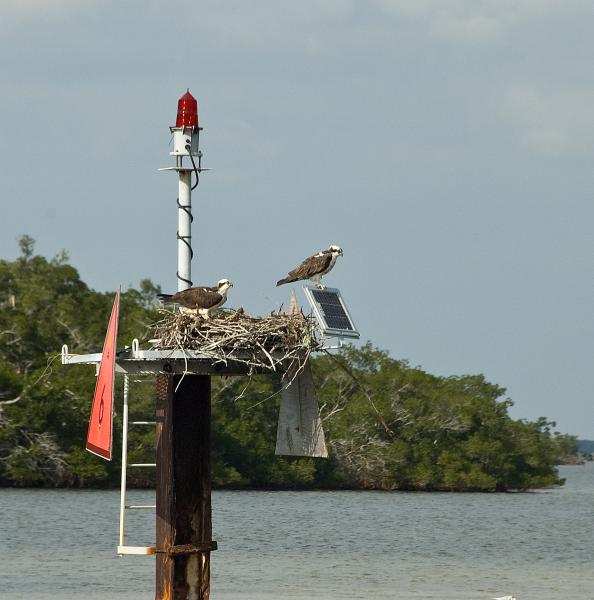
314 267
199 300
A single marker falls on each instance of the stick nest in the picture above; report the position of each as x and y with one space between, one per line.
279 342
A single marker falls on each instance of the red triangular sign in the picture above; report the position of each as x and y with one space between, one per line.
100 435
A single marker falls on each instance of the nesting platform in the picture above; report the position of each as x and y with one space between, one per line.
231 343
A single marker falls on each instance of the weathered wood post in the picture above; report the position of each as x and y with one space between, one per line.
183 482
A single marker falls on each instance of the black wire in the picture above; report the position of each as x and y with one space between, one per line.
196 173
184 239
188 212
184 279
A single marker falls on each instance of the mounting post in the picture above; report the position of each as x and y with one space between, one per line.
184 524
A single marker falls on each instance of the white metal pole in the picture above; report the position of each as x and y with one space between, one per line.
184 232
124 459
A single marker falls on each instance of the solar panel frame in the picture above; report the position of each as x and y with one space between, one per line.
329 328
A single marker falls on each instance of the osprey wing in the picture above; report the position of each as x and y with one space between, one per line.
312 266
308 268
198 297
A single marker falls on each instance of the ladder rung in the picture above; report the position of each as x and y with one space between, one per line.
143 465
143 423
133 506
137 549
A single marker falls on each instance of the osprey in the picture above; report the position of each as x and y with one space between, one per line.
314 267
199 300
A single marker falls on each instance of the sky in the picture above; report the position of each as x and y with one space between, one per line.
446 145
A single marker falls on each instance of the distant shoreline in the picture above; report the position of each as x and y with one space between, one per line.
304 489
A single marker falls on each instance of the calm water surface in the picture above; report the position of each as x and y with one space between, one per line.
331 545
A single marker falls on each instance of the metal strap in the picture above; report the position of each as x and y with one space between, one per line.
182 549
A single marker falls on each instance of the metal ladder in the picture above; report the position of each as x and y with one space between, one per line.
122 548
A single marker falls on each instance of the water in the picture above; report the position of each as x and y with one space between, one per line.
332 545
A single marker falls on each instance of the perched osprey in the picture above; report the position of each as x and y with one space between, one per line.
199 300
314 267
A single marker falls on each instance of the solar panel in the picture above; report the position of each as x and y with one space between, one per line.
331 312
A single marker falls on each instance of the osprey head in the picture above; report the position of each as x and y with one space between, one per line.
223 285
336 250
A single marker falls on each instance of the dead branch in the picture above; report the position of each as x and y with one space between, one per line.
46 373
74 333
365 391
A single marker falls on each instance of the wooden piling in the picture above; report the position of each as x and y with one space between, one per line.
183 482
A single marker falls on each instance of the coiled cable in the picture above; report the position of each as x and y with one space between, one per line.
188 210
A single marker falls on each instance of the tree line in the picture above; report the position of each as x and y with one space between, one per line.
388 425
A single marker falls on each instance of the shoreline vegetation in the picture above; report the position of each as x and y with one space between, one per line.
389 426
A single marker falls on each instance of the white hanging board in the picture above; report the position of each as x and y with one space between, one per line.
299 431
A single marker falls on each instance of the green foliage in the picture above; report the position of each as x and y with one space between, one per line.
388 425
44 406
402 428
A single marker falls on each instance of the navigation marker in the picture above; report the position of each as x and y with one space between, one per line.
100 434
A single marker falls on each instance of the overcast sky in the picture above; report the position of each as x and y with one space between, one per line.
446 145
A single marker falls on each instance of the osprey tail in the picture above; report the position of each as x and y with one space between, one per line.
165 298
285 280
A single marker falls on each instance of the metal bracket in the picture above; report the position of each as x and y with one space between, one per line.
143 550
338 346
184 169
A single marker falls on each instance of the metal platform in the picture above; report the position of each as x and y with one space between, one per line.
134 361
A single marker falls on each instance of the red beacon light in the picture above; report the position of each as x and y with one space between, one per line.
187 111
186 131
